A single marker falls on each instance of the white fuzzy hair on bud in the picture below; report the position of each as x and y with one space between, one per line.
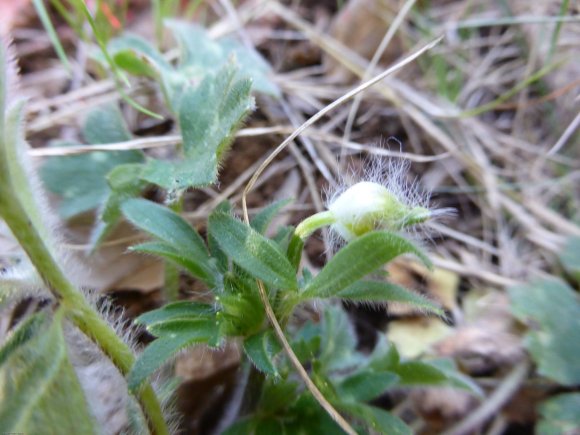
383 197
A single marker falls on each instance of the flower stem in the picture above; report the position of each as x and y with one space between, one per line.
78 309
314 222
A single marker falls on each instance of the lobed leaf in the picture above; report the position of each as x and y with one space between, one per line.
208 117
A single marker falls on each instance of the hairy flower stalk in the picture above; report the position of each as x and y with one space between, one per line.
378 203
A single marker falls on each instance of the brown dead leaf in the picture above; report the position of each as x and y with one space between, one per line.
202 362
486 341
440 406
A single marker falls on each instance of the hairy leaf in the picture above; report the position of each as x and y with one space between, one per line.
261 349
168 252
170 228
25 332
208 116
201 55
356 260
176 310
257 255
377 291
124 183
261 221
338 341
39 382
164 348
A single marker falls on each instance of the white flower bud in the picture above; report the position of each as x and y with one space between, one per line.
384 200
367 206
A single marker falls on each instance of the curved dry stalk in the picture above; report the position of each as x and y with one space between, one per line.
264 297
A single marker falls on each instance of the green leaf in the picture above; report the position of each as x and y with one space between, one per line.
455 378
208 116
379 420
39 382
104 125
262 219
278 394
201 55
124 183
356 260
365 385
191 326
254 253
137 56
164 348
294 251
552 309
173 230
51 32
25 332
419 373
560 415
261 349
81 180
378 291
17 180
338 341
176 310
216 252
385 356
570 257
165 250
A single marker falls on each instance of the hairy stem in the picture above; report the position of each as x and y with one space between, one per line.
78 309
